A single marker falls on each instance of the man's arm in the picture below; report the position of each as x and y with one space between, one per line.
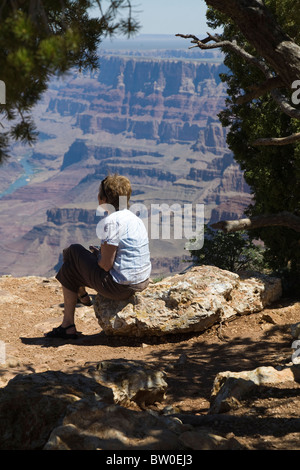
107 257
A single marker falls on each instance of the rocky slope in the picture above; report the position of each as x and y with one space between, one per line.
52 392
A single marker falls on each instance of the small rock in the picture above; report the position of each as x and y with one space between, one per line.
204 439
268 318
12 362
132 381
92 425
169 410
296 353
295 330
230 387
182 360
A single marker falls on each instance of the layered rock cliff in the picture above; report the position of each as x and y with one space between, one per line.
151 119
161 100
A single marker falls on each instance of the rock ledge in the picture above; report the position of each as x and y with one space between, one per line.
188 302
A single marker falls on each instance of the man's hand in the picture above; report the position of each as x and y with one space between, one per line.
95 250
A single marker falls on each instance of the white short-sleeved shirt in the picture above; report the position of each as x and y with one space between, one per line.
126 231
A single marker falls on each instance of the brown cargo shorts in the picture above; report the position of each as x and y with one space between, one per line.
80 268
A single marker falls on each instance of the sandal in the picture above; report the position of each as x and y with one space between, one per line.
61 332
80 297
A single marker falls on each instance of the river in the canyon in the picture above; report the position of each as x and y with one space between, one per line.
23 180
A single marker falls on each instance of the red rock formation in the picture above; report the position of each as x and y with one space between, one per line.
152 120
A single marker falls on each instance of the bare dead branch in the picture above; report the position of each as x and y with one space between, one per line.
285 105
285 219
218 43
291 139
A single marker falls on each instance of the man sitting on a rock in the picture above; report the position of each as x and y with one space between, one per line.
118 269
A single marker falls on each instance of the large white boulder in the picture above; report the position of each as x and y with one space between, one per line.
188 302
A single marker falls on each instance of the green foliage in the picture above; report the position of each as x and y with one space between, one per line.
273 173
232 251
43 38
287 13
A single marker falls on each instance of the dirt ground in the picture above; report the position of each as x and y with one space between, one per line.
268 419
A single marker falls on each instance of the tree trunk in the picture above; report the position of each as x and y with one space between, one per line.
261 30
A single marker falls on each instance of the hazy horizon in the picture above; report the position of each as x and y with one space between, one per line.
147 41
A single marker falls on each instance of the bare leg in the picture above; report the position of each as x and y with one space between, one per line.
84 297
81 291
70 300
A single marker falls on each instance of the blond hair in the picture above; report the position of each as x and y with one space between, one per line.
114 186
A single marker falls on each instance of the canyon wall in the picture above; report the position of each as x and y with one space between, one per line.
151 119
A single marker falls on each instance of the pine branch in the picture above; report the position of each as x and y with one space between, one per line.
257 91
